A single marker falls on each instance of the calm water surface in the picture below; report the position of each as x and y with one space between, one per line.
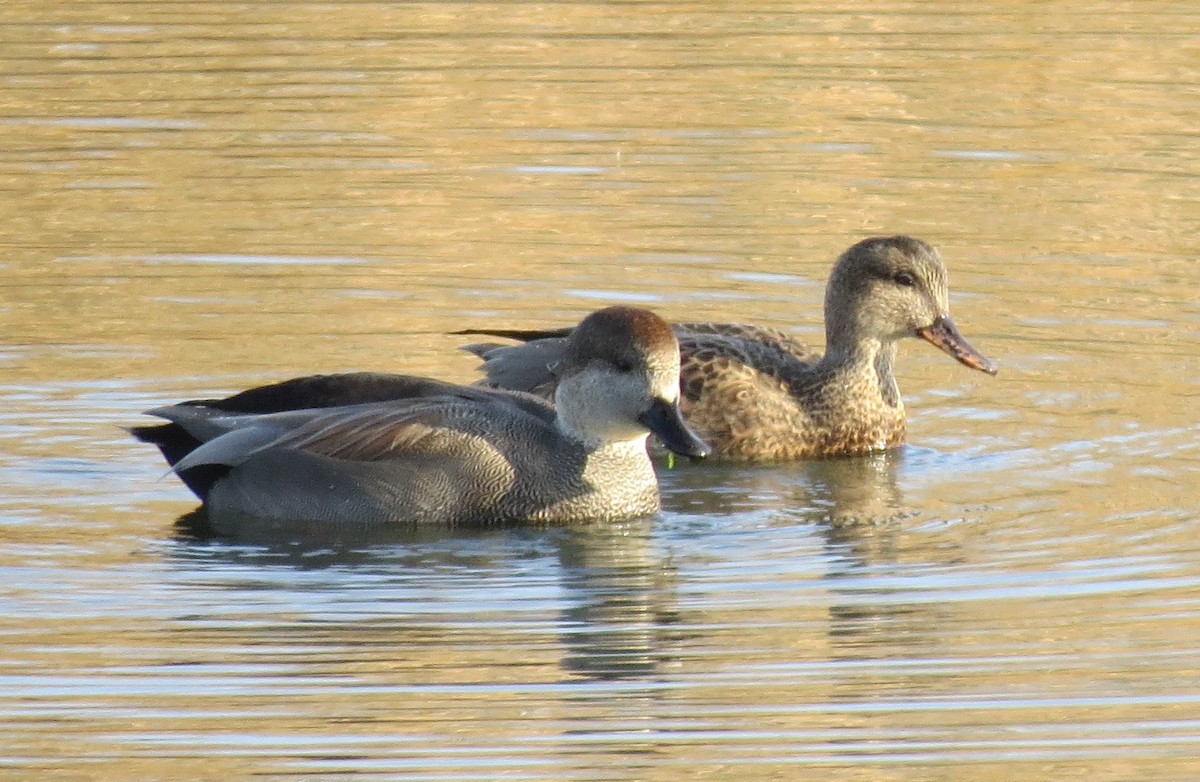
200 196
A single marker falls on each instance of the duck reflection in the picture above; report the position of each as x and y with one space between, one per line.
844 495
323 546
623 601
857 508
433 624
614 613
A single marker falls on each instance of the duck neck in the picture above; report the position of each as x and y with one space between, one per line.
615 479
869 359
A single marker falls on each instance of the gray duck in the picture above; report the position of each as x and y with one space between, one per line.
368 449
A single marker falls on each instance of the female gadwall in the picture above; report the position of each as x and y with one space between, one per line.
757 394
363 449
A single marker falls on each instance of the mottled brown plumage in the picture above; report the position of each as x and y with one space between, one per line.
757 394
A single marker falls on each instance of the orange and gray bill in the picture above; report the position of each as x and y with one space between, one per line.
944 334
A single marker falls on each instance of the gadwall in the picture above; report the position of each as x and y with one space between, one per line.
362 449
756 394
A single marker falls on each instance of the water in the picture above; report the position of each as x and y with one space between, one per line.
199 197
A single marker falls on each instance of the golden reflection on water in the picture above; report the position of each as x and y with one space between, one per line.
200 196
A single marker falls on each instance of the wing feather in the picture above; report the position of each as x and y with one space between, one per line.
368 432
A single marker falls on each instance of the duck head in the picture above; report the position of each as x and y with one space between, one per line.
885 288
619 381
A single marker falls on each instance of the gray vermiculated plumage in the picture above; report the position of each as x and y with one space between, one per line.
420 451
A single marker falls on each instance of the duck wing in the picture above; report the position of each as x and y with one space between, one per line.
737 384
530 367
203 442
438 459
205 417
357 433
333 390
750 340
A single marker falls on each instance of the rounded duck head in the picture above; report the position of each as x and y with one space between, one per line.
626 337
619 380
885 288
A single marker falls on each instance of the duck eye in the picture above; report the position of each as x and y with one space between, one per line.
905 278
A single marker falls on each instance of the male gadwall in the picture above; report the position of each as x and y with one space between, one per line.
757 394
361 449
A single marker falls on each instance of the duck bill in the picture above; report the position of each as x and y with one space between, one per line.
665 422
944 335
